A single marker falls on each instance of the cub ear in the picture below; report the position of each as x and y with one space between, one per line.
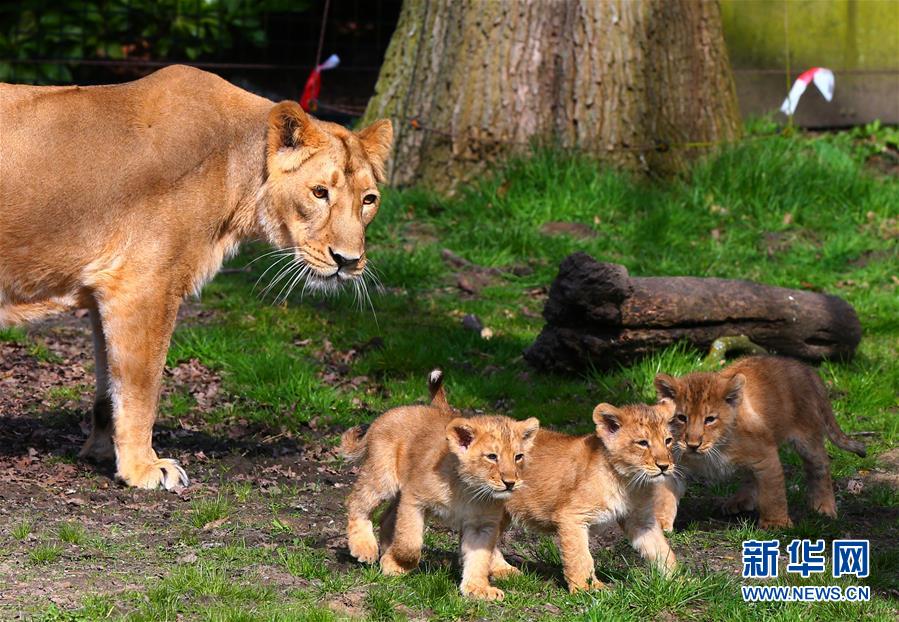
734 390
289 127
377 140
666 407
460 434
607 419
528 428
666 386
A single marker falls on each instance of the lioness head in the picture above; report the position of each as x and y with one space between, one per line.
706 403
321 192
640 439
491 452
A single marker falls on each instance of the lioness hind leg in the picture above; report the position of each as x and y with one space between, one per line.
99 444
817 474
138 327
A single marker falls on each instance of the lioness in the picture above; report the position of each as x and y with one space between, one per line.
425 459
123 199
738 418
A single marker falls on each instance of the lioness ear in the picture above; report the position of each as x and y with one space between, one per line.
666 386
607 419
734 393
377 140
460 434
289 127
528 428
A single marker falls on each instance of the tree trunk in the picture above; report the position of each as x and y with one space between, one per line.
640 83
599 316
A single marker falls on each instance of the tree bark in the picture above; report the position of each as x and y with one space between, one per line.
636 82
597 315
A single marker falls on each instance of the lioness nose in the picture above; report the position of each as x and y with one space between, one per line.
343 261
662 467
509 485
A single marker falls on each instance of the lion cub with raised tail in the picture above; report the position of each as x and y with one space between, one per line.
576 482
426 460
737 418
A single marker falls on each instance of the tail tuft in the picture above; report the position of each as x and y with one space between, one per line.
353 442
438 394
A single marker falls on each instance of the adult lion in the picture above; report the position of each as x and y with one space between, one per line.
123 199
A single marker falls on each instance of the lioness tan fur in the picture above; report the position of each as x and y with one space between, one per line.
573 483
426 460
738 418
123 199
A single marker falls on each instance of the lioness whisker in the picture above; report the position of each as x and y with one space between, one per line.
267 270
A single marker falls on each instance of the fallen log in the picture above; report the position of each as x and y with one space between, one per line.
598 315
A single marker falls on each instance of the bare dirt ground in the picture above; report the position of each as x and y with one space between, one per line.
134 537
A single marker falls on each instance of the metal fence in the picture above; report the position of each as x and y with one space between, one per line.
267 46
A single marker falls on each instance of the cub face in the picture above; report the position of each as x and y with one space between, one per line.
491 452
706 405
641 440
322 192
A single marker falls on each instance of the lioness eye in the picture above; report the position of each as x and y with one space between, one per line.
643 443
519 457
320 192
491 457
682 417
710 419
368 199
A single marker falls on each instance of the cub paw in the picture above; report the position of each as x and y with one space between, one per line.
393 568
737 504
586 586
482 591
504 572
364 549
827 508
666 523
775 522
161 473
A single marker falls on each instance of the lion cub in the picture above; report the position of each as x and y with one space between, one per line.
738 418
425 460
575 482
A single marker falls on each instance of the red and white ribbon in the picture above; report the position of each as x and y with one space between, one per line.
309 99
823 79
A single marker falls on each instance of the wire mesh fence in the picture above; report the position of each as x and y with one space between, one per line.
267 46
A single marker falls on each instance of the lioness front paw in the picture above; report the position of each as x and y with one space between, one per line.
162 472
482 591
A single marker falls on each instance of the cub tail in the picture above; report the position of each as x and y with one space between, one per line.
835 432
438 394
353 442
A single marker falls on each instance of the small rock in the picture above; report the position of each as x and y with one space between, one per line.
473 323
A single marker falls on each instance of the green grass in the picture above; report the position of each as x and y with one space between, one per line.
45 554
71 533
206 511
22 530
797 212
